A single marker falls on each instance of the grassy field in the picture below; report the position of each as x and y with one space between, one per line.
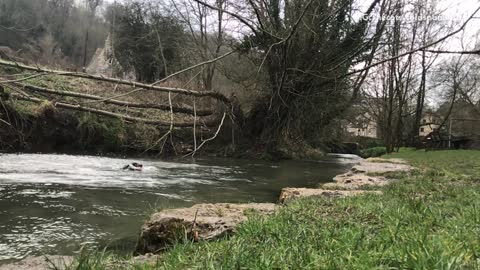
427 220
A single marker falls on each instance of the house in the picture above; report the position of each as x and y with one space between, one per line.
428 124
363 126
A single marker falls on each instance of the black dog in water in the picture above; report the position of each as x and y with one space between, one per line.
133 167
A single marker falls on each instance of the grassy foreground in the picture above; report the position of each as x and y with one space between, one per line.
429 219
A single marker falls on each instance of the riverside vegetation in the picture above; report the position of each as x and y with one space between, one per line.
45 128
428 219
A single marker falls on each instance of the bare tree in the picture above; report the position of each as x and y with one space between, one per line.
428 31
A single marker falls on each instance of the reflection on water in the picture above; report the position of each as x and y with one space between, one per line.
54 204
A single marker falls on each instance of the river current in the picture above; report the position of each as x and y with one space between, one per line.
56 204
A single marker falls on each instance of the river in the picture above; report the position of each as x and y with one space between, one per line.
55 204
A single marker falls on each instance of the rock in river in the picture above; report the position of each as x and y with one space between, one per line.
199 222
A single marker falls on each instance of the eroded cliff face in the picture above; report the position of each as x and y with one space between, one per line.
105 63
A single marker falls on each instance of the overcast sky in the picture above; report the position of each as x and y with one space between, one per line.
454 10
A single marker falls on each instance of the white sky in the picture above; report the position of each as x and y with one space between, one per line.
464 9
454 9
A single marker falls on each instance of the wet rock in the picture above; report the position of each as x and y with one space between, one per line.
293 193
40 263
199 222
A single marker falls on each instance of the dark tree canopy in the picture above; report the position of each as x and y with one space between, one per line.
305 52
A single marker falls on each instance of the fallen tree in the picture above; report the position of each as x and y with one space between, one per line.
153 87
176 109
127 118
43 95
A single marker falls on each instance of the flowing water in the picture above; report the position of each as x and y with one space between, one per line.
55 204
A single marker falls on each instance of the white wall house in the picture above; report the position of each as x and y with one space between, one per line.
363 126
428 124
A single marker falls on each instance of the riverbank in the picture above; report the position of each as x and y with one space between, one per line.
44 128
43 124
428 218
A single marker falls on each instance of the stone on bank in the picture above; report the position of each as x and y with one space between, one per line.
199 222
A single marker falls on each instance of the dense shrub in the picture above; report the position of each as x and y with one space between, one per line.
373 152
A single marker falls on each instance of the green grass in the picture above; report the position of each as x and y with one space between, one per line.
428 220
454 162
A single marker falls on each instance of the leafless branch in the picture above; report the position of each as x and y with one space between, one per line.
238 17
5 122
212 94
414 50
209 139
452 52
22 79
195 66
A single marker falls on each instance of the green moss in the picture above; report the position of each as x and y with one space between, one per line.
25 109
102 133
52 81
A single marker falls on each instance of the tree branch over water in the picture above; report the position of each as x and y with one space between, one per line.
211 94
